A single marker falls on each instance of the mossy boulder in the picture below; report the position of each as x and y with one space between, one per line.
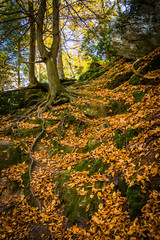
122 186
78 209
95 72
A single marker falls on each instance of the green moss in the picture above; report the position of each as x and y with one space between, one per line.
116 107
61 178
91 165
13 155
139 95
57 147
119 79
134 80
91 74
111 109
92 144
136 200
11 101
75 205
30 132
152 65
121 139
157 185
122 187
96 72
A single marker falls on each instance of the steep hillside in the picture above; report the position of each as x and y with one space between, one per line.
93 162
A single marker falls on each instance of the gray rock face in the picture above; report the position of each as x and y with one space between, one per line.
140 33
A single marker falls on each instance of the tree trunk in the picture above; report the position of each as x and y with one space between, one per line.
60 62
55 86
50 57
32 79
19 62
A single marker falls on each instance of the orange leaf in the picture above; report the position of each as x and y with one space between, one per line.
88 207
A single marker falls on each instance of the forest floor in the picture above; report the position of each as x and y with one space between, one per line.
96 170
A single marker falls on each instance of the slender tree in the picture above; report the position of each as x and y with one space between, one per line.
50 57
32 45
60 61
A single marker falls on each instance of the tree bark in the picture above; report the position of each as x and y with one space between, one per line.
32 79
50 57
19 62
55 86
60 62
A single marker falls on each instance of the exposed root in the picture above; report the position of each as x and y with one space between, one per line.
141 75
53 101
38 106
31 154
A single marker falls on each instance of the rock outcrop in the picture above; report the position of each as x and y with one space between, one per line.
139 34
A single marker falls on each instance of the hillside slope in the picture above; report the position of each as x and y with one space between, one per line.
94 161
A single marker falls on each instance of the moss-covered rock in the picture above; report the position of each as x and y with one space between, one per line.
11 101
78 209
30 132
33 95
95 72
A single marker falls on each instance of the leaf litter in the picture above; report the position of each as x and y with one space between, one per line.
137 161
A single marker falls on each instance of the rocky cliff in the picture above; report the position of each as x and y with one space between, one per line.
140 33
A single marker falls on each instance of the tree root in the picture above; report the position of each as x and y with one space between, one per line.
31 154
64 97
38 106
141 75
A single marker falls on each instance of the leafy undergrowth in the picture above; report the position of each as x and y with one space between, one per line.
96 170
